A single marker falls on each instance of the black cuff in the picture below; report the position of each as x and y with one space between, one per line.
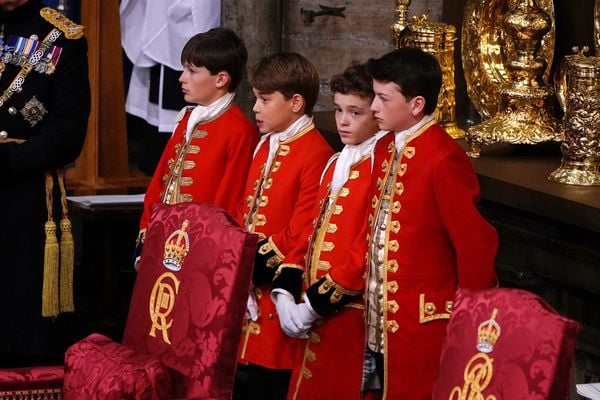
266 261
327 297
289 279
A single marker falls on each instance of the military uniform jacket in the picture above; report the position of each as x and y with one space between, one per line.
436 241
278 204
332 363
49 112
210 168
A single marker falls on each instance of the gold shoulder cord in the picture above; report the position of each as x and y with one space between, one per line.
70 28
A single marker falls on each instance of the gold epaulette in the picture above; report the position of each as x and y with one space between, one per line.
70 28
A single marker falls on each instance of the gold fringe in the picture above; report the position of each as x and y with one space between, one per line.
67 261
67 253
50 283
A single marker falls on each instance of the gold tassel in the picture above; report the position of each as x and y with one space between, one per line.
67 261
67 253
50 283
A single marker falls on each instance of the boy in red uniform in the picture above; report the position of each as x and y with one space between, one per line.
427 237
279 195
333 356
207 157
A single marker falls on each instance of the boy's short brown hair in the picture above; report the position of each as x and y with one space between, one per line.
287 73
354 80
218 49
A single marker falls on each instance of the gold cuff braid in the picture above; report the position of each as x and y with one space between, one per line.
266 248
338 290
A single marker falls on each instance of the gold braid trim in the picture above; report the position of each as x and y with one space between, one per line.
34 394
70 28
11 140
141 236
67 252
269 246
338 290
288 266
50 282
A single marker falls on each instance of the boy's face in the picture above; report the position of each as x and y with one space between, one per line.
353 118
198 85
392 110
273 112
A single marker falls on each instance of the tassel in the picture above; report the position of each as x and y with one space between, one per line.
67 261
67 252
50 285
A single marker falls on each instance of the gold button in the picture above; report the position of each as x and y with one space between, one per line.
3 134
12 110
270 316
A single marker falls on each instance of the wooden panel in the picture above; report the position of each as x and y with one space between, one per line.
103 162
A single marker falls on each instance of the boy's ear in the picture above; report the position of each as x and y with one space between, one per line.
223 79
297 103
418 105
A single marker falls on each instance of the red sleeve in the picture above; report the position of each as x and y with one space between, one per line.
239 157
288 238
475 241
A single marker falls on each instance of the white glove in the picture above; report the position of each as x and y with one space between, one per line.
289 318
307 314
251 307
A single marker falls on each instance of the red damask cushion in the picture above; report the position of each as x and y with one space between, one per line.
32 383
97 368
508 343
190 295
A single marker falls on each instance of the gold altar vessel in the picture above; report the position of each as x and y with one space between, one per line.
579 95
523 116
485 51
438 39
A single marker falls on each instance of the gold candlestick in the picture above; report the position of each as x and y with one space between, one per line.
523 116
438 39
399 29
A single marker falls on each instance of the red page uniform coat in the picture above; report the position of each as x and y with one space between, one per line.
278 205
211 168
435 242
332 362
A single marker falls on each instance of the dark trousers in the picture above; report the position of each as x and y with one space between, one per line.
254 382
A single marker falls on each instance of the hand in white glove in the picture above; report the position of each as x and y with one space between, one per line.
295 319
289 319
251 307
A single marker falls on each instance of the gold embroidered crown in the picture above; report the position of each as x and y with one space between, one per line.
176 248
488 333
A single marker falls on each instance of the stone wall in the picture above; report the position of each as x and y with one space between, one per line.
332 43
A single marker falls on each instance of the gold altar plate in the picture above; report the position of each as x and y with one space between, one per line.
484 51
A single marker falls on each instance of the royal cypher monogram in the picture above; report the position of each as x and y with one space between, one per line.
166 287
480 368
162 300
